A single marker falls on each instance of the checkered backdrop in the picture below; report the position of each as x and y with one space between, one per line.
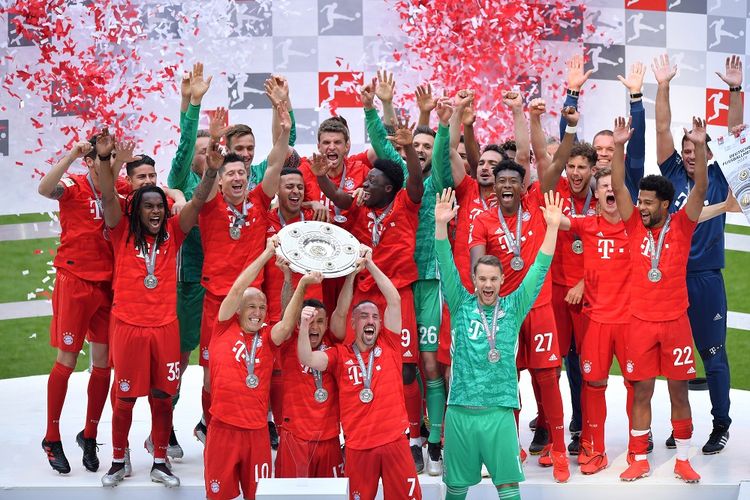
326 47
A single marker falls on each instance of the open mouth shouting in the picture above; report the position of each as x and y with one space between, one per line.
238 188
368 334
576 183
610 200
487 295
154 223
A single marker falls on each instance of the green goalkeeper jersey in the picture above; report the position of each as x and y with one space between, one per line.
475 381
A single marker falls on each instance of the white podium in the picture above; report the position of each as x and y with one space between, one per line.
303 488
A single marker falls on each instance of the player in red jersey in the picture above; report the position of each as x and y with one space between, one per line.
227 228
81 299
606 276
373 414
659 341
238 450
567 266
145 332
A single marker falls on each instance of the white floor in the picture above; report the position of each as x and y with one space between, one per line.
24 472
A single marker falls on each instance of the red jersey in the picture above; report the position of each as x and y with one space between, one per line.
606 269
133 301
305 417
567 266
223 257
394 254
667 299
273 277
232 401
471 204
351 177
383 420
83 250
486 230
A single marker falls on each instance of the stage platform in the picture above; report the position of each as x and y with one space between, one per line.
25 474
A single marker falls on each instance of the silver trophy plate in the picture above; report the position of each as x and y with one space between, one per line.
318 246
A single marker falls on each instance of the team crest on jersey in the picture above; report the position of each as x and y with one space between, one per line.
204 353
591 211
124 385
349 183
629 366
587 366
378 351
215 486
68 338
526 216
356 495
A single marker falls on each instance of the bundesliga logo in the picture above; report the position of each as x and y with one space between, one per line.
587 366
68 339
124 385
215 486
629 367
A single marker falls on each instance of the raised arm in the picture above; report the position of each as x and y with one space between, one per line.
542 159
339 197
694 203
621 135
392 314
514 100
112 212
663 72
206 188
470 141
461 101
50 185
425 102
635 157
337 324
376 131
385 89
576 78
232 301
317 360
550 176
282 330
732 76
403 135
450 281
278 153
553 217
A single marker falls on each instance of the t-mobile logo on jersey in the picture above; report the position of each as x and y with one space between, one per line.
605 248
646 247
355 375
94 209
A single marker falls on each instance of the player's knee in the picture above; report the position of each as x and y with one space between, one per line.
409 373
100 355
430 365
67 358
597 383
678 392
642 391
158 394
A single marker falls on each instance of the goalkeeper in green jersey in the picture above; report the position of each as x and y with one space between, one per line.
479 424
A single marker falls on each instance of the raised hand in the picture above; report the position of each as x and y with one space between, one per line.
81 149
576 76
124 152
217 124
307 316
445 206
513 99
663 72
385 86
312 278
282 111
403 134
463 98
198 85
367 94
425 101
365 253
105 143
272 244
537 107
359 196
283 264
444 110
732 75
214 158
622 132
185 86
319 165
320 211
737 129
277 89
468 115
634 81
571 115
698 134
552 209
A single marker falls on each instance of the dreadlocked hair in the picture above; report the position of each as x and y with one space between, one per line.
132 211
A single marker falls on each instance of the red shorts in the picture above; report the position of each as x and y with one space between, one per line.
80 310
235 458
145 358
660 348
444 338
537 342
569 319
409 346
601 342
211 305
392 462
300 458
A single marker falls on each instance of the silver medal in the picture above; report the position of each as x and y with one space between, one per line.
252 381
654 275
577 247
150 281
321 395
366 395
516 263
339 219
235 233
493 356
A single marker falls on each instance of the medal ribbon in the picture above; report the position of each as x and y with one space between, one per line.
317 376
585 209
150 259
366 373
490 333
513 241
376 224
97 198
239 217
337 210
656 249
282 220
250 360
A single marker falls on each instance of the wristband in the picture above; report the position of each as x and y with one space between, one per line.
738 88
571 130
637 95
104 158
573 93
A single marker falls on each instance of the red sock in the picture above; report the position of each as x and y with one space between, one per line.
57 388
122 417
553 410
97 392
595 416
161 425
683 429
277 398
113 395
206 402
638 445
413 400
629 401
541 419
